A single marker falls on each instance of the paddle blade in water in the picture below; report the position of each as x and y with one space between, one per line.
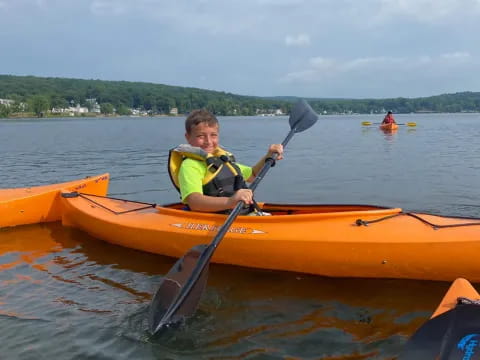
170 289
366 123
302 116
411 124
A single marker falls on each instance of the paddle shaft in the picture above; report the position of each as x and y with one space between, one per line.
233 215
367 123
206 255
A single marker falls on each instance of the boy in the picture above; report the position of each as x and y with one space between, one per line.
208 178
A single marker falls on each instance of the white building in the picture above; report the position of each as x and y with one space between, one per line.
71 110
6 102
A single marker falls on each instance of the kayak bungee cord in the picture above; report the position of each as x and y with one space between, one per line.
87 197
360 222
465 300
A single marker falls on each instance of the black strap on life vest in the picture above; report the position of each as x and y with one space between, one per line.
238 181
214 163
218 183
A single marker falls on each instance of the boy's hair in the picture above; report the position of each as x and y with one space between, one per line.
200 116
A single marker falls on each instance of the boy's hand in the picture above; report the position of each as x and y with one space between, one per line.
245 195
275 148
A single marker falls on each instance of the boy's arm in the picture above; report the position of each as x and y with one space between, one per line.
275 148
190 178
205 203
257 167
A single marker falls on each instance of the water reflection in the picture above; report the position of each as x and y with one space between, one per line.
82 288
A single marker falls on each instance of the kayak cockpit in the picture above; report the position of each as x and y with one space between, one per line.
122 206
298 209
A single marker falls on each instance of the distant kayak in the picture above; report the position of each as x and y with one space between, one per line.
388 127
31 205
453 331
410 124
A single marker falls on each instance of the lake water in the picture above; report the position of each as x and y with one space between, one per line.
66 295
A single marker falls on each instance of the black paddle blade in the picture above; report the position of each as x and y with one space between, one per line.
453 335
161 308
302 116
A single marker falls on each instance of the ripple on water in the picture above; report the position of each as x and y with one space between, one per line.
66 295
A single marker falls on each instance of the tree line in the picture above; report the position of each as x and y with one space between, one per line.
40 94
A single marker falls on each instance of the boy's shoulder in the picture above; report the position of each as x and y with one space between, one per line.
193 163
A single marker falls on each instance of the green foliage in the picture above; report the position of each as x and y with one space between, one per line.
106 108
58 102
458 102
160 99
155 98
5 110
123 110
39 105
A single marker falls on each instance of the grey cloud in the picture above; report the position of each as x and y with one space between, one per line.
297 40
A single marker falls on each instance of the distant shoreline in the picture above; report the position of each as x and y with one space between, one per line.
94 115
83 115
37 94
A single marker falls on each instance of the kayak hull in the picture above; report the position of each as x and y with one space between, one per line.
30 205
389 127
315 239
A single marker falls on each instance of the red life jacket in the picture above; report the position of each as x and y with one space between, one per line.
389 119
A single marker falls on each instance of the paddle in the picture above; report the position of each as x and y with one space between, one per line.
367 123
181 288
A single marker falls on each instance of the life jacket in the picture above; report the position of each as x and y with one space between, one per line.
388 119
223 176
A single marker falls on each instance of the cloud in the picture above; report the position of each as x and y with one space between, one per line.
376 43
108 8
280 2
252 17
375 71
300 40
428 10
459 56
25 3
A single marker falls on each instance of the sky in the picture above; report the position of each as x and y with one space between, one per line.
305 48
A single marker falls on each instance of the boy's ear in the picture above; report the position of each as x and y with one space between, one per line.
187 137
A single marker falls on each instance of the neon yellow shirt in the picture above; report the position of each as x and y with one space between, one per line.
193 171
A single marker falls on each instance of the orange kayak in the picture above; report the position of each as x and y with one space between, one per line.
330 240
37 204
453 331
389 127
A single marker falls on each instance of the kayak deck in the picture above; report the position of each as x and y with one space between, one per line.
30 205
460 288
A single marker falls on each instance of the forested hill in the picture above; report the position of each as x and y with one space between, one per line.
158 98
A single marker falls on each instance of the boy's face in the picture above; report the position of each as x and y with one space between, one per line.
204 137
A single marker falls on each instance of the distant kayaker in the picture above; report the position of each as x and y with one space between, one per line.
389 119
207 176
